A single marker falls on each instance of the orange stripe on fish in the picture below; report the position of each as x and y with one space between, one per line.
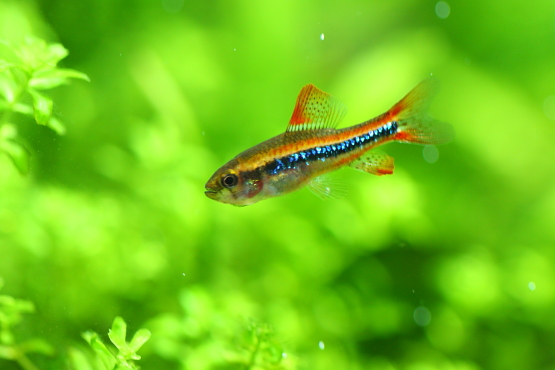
312 146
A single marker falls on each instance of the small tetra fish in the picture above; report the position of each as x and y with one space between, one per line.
311 146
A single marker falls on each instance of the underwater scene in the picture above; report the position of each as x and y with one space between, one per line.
292 185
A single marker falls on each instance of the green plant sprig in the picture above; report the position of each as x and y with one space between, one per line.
11 314
30 69
126 351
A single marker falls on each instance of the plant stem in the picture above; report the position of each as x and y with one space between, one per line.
252 362
9 110
25 363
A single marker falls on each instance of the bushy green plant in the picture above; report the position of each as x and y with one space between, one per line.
124 355
11 314
258 348
26 70
208 336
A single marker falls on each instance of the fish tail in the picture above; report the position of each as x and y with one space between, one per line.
414 123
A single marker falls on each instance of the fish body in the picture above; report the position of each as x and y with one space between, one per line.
312 146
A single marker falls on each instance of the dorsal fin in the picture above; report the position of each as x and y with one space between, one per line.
315 110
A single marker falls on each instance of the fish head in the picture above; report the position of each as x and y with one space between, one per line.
232 185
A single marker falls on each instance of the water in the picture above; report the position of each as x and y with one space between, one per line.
450 257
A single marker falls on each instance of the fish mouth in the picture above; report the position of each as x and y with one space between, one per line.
210 193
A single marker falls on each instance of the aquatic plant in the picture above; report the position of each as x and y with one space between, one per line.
26 70
11 348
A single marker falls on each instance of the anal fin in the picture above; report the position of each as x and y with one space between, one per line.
375 163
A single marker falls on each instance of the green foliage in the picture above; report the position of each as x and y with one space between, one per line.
204 337
447 264
27 68
124 355
11 314
259 349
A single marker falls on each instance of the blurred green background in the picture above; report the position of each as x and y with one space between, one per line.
447 264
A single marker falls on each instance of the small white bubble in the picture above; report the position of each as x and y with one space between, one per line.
183 274
284 355
234 49
321 345
430 153
422 316
322 37
549 107
443 9
532 286
172 6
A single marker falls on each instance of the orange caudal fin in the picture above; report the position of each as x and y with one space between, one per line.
415 125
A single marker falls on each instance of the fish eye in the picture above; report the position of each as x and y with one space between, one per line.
230 180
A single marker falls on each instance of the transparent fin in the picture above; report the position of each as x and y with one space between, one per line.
326 187
375 163
315 110
415 125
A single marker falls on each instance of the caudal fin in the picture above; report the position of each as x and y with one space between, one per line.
414 123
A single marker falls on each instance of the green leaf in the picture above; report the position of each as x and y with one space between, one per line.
7 352
79 360
37 346
23 109
8 131
22 305
88 336
53 77
4 65
117 334
43 107
56 125
11 47
6 337
8 87
101 350
140 338
18 153
55 53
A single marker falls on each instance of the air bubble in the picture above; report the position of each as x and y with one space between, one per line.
172 6
549 107
443 9
430 153
422 316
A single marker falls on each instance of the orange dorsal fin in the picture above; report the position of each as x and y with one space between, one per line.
315 110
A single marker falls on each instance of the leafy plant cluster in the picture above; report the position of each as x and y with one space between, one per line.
253 347
27 69
11 314
206 336
122 356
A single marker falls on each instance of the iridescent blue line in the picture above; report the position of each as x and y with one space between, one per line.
320 153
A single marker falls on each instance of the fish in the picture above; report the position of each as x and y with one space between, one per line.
312 146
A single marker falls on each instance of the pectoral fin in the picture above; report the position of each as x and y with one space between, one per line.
375 163
326 187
